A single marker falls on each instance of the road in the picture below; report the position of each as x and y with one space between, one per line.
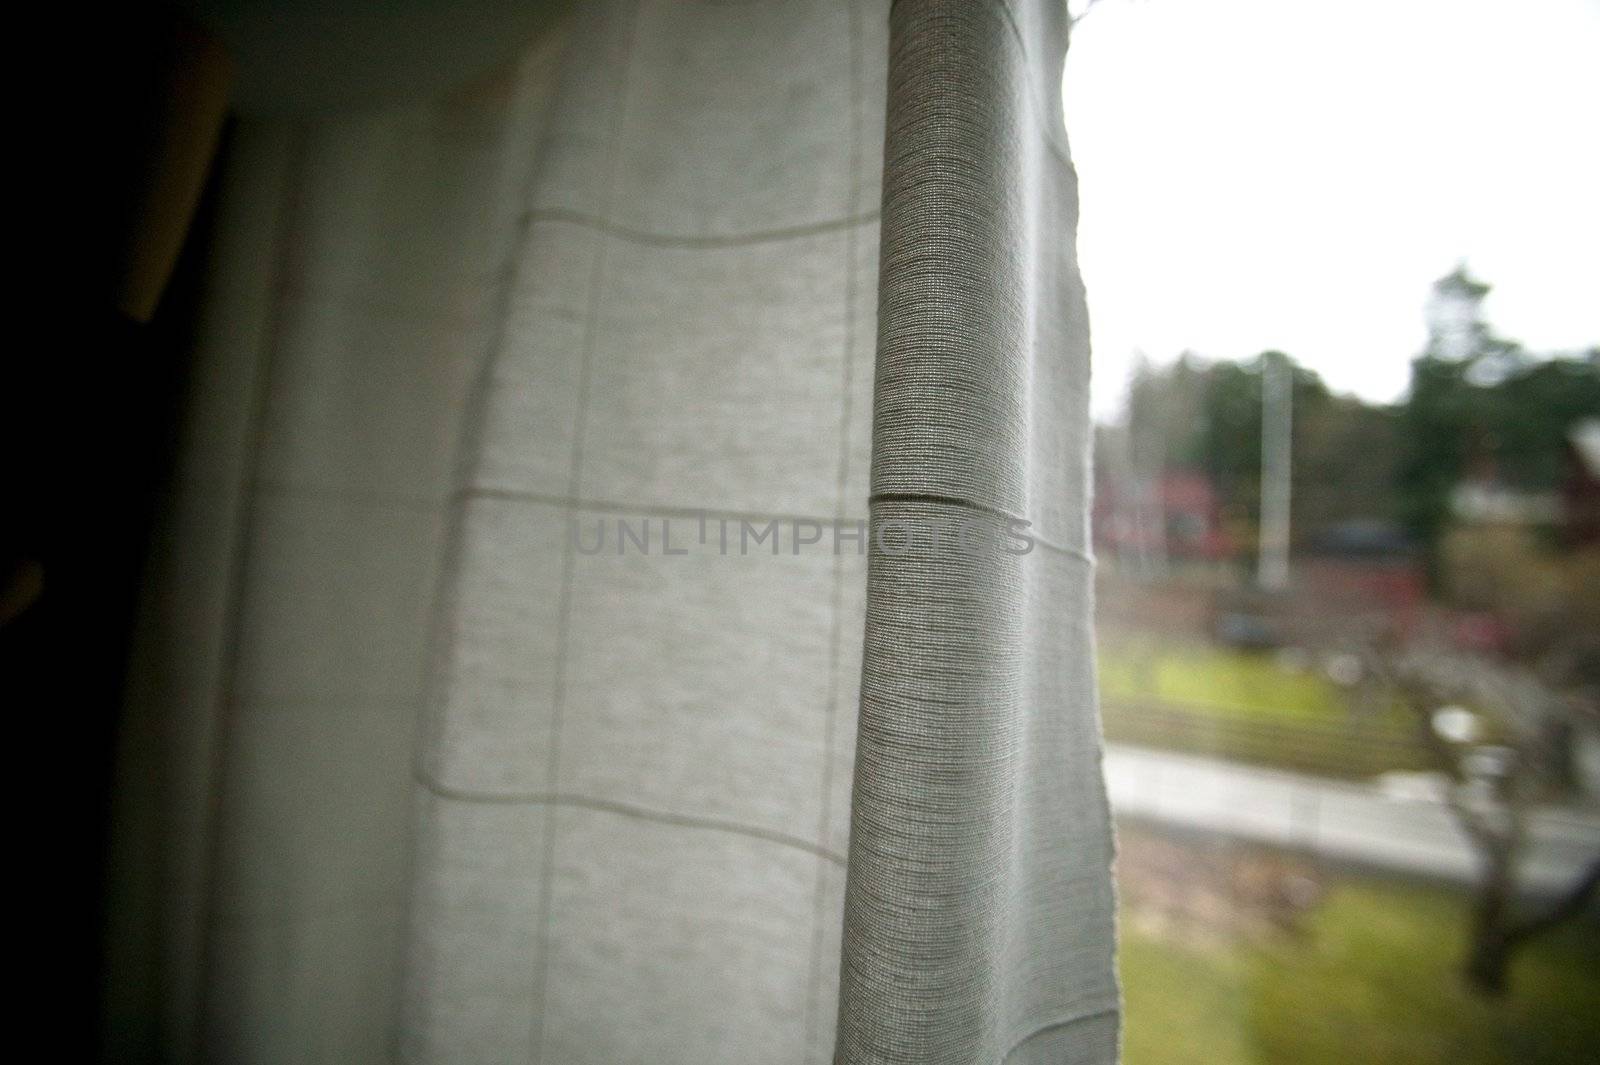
1366 824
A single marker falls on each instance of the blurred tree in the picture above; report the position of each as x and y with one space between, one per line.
1441 418
1499 569
1547 600
1499 736
1205 417
1524 709
1165 415
1346 462
1479 406
1531 410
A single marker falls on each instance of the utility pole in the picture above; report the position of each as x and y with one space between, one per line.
1277 422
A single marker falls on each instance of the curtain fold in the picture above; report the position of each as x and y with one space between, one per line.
978 918
510 619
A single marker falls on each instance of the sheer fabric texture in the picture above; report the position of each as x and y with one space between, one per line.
430 757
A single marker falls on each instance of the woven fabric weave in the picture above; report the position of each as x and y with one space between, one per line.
979 907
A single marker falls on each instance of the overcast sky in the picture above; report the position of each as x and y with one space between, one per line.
1292 174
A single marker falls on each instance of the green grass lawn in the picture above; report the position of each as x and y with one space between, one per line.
1370 978
1220 681
1245 706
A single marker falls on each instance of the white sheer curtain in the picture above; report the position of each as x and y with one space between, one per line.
412 771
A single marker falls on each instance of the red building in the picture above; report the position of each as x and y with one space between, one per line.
1176 516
